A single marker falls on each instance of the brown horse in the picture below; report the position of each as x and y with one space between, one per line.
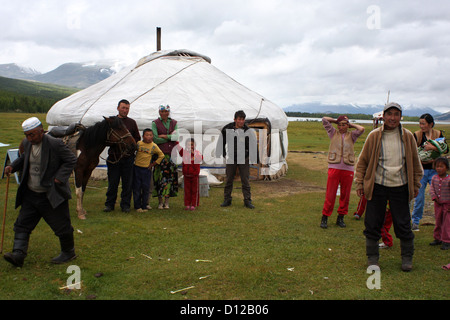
91 143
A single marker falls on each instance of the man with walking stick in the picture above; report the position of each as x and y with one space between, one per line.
44 191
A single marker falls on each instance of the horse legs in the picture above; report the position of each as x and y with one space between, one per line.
80 186
80 210
86 163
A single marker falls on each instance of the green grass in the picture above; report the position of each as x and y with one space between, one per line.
274 252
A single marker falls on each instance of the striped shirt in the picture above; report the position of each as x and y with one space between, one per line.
440 188
391 169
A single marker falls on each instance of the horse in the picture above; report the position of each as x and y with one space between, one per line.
90 144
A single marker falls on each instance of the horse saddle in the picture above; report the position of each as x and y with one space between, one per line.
63 131
69 134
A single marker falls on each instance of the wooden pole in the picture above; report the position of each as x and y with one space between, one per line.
4 213
158 39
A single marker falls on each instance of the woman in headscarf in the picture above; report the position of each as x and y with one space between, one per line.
165 176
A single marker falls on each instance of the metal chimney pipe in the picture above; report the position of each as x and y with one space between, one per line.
158 39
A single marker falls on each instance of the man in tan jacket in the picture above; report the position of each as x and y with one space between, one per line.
389 169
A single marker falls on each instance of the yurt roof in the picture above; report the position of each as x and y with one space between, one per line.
185 80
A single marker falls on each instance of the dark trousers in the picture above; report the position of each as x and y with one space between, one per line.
398 198
122 170
36 206
244 173
141 187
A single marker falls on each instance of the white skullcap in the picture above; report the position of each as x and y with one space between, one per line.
30 124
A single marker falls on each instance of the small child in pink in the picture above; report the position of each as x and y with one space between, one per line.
192 159
440 194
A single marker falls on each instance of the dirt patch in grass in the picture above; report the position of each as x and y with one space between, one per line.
311 160
318 161
282 187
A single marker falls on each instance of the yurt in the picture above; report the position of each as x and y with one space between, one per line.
202 98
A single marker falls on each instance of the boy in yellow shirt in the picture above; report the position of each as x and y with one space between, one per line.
147 151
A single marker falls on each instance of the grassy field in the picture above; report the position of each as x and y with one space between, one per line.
274 252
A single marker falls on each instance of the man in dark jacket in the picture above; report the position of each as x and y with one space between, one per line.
240 142
44 191
121 167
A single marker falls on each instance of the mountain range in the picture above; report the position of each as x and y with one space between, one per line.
75 75
83 75
318 107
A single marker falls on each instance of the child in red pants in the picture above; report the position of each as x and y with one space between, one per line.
385 235
191 170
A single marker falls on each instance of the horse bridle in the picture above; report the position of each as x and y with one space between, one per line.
121 144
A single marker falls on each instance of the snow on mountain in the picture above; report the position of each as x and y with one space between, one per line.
353 108
14 71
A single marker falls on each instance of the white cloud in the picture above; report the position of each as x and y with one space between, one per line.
288 50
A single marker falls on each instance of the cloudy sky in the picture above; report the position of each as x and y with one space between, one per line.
290 51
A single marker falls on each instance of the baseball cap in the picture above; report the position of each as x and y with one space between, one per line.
392 105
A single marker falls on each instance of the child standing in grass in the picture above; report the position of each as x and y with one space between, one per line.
143 165
440 194
191 170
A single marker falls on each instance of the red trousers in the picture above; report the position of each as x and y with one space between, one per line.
361 206
191 191
385 235
338 177
442 226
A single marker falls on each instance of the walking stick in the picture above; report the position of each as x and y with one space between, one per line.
4 213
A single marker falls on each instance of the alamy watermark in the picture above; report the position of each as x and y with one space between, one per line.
74 281
238 146
374 280
374 20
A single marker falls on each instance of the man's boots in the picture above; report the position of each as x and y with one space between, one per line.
226 203
67 249
20 248
249 204
372 252
407 252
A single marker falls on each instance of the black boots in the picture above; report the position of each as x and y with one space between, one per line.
372 252
226 203
20 248
67 249
324 222
339 221
407 251
248 204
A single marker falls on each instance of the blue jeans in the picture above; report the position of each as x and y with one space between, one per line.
141 187
419 201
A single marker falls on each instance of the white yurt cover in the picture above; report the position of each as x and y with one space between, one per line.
199 95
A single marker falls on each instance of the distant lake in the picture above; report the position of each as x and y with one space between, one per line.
354 120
